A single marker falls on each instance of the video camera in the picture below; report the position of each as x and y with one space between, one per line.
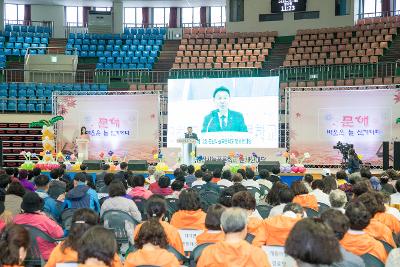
344 149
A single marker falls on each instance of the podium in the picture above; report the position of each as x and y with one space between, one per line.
83 147
188 146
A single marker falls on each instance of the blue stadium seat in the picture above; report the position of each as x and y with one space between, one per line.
85 47
26 45
133 48
10 45
11 106
103 87
100 47
124 66
92 54
110 60
86 42
140 66
93 41
93 48
100 54
118 42
36 40
111 42
22 107
135 60
20 39
122 53
107 53
77 87
37 45
125 48
94 87
128 42
143 42
3 93
71 36
3 105
140 48
150 42
28 40
44 40
109 47
22 93
145 53
39 93
85 87
153 54
138 53
41 52
102 59
116 66
31 29
127 60
116 47
83 53
68 52
108 66
130 54
115 54
150 60
119 60
31 107
143 60
132 66
101 42
48 107
15 52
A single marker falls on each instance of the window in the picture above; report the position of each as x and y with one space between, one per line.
190 15
74 16
102 9
133 15
160 16
14 14
372 8
218 17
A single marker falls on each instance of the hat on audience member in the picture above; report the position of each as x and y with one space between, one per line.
326 172
31 202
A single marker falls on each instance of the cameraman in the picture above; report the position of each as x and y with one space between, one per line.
354 162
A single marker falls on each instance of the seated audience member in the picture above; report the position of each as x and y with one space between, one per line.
14 194
285 196
50 205
154 186
2 221
375 183
32 206
58 185
36 172
5 180
249 181
209 186
395 198
386 218
388 209
14 244
13 175
216 176
97 247
341 177
156 209
108 178
272 197
308 180
190 178
375 228
338 200
151 242
237 178
330 184
302 197
355 178
361 187
189 214
66 251
150 179
263 178
356 240
138 189
63 172
225 198
365 172
246 201
179 173
118 201
274 177
184 169
275 230
23 179
213 233
387 188
80 196
123 166
340 225
163 186
199 178
226 179
176 187
234 250
312 243
100 176
318 187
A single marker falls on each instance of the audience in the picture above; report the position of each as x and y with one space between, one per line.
312 243
58 186
189 214
272 197
81 195
97 247
308 180
341 177
226 179
4 182
32 206
199 178
151 243
264 178
387 188
213 233
338 200
150 179
23 179
50 205
14 195
190 178
100 176
108 178
234 250
330 184
395 198
154 186
274 177
2 221
356 240
246 201
237 178
302 197
386 218
14 244
138 189
249 181
216 176
176 187
318 188
163 186
123 166
225 197
275 230
285 196
209 186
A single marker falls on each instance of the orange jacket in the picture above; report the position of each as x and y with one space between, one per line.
210 237
174 239
157 257
189 219
253 224
70 255
274 231
379 231
389 220
360 244
306 201
240 254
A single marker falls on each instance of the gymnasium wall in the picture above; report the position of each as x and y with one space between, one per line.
50 13
289 26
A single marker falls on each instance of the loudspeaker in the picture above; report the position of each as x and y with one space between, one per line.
385 155
92 165
268 165
1 154
396 156
213 165
137 165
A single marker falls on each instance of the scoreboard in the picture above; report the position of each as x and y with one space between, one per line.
278 6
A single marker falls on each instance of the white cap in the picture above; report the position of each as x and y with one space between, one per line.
326 172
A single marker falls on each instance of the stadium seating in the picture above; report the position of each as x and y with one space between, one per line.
32 97
2 54
207 48
136 48
363 43
148 87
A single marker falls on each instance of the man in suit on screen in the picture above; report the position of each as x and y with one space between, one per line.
191 134
223 119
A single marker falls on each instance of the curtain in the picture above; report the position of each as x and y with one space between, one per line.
385 7
173 17
27 15
85 15
203 16
145 16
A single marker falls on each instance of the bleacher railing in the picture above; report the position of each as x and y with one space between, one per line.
49 24
200 25
379 14
73 27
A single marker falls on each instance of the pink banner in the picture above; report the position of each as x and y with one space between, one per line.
364 118
125 124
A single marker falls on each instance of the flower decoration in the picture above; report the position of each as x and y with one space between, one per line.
192 154
360 157
110 153
307 155
68 157
23 153
101 154
155 156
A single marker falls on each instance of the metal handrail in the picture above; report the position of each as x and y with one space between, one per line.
44 23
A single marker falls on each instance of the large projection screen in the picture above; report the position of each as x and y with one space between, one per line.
225 112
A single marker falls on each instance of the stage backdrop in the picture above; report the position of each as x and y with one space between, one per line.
364 118
125 124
